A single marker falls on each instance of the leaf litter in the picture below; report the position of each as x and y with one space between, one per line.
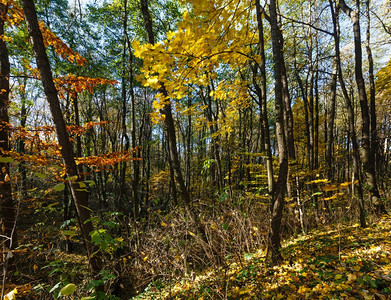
334 262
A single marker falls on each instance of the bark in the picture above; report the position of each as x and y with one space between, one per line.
261 90
274 243
374 145
7 208
316 112
212 117
304 95
136 153
368 155
21 143
330 125
169 120
189 145
352 129
287 106
80 197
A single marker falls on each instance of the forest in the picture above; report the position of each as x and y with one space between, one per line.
195 149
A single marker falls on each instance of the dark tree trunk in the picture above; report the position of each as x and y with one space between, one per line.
274 244
368 155
7 208
21 143
374 146
169 120
80 197
316 112
189 133
330 125
135 152
261 90
356 154
304 95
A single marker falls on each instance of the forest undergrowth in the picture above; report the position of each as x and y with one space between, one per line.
338 261
165 257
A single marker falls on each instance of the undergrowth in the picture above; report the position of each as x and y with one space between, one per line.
164 256
334 262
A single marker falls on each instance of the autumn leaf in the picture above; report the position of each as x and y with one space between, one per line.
67 290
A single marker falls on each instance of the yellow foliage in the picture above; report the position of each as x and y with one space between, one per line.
329 188
318 181
212 34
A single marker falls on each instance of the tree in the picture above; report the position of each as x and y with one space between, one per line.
356 154
277 203
262 94
80 197
368 154
8 211
168 119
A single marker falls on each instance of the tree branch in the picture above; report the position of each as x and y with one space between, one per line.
307 24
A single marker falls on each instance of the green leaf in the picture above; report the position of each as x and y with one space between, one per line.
82 184
40 175
71 178
4 159
59 187
67 290
90 182
69 232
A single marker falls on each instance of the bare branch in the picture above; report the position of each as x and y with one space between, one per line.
307 24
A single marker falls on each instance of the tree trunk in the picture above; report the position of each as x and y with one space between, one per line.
263 100
316 112
80 197
330 125
277 204
368 155
22 185
356 154
135 153
169 120
7 209
374 146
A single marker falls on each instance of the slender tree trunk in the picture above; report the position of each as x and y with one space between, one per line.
80 197
135 152
356 155
169 121
7 207
21 142
304 95
374 146
189 145
316 112
368 155
274 244
75 102
311 115
330 124
263 100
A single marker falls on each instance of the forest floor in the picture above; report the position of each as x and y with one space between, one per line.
334 262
